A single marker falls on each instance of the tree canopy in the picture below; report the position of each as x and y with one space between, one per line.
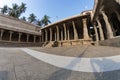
45 20
17 10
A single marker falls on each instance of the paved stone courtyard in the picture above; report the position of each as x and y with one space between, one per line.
75 51
15 64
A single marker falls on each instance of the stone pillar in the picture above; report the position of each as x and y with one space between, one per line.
1 35
10 38
34 39
19 39
85 29
61 35
27 37
96 34
100 29
57 28
65 31
50 34
68 34
42 36
75 31
46 35
108 26
55 36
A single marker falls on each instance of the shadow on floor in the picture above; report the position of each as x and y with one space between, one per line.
108 75
64 74
3 75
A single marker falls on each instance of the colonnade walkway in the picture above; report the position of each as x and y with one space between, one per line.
61 63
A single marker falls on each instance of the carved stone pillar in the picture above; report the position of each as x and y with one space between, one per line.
65 31
75 31
68 34
10 38
108 26
50 34
34 39
100 29
85 29
19 38
28 37
1 35
57 28
46 36
96 34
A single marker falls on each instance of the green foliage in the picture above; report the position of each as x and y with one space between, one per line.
16 11
45 20
39 22
23 18
4 9
32 18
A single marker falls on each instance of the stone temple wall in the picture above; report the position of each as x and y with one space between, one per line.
13 22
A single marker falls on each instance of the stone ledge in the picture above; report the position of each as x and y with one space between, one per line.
17 44
115 42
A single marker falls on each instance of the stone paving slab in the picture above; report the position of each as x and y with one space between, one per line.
17 65
89 51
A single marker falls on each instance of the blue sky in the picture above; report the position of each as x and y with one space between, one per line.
56 9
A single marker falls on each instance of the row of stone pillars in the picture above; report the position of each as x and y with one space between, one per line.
108 28
65 31
19 36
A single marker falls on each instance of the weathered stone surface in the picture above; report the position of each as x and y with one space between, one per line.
17 65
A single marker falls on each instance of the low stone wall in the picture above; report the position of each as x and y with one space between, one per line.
16 44
74 43
115 42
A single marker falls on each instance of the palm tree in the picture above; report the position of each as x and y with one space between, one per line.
45 20
23 18
22 8
32 18
14 11
4 9
38 22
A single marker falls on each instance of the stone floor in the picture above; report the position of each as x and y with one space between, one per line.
15 64
75 51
